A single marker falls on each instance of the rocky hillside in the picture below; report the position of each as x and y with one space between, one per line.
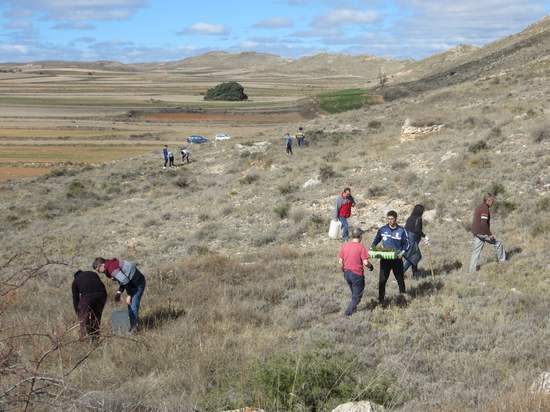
244 303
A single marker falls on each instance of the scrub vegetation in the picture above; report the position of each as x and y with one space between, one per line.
244 300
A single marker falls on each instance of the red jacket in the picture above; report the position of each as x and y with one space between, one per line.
343 206
110 266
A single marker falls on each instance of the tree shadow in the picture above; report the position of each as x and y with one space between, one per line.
159 316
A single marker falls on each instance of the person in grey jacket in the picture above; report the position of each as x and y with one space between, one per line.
129 279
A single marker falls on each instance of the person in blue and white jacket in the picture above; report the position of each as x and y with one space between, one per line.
394 237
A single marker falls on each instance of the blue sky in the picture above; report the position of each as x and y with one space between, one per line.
160 30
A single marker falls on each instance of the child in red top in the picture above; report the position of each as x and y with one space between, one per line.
353 255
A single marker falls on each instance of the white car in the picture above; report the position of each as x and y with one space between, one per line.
222 136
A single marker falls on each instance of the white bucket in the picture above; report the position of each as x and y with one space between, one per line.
334 229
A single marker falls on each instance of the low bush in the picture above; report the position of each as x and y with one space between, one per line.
287 188
541 133
249 179
282 210
326 172
375 124
478 146
375 191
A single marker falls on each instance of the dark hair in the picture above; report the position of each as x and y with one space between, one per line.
392 213
347 189
98 261
417 210
488 196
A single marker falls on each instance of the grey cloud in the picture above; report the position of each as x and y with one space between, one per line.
75 10
73 26
274 23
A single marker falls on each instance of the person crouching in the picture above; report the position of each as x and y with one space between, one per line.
89 297
352 257
129 279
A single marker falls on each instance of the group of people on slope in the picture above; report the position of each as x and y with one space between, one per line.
90 294
405 241
168 156
300 139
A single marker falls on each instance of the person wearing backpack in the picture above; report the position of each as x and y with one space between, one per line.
414 230
129 279
300 137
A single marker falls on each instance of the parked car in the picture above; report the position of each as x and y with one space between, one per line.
196 139
222 136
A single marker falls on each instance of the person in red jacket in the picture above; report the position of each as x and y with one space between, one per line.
344 203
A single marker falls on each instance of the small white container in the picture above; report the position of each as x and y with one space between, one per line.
334 229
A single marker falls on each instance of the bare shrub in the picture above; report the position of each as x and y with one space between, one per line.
326 172
541 133
477 147
249 179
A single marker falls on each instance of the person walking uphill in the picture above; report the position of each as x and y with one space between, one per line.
165 155
301 137
130 279
393 237
344 203
481 229
89 297
288 142
352 257
413 226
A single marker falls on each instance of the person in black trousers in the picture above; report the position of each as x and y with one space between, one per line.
89 297
414 230
392 236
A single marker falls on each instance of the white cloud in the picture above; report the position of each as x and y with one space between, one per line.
13 48
74 10
206 29
342 17
73 26
274 23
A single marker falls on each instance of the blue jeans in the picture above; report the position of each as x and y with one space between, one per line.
356 285
345 228
133 308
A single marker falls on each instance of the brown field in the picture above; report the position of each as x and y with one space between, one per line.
7 173
252 119
57 116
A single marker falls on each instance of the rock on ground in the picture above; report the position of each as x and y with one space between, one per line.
363 406
542 384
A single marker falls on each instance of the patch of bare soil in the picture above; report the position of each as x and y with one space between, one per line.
8 173
267 118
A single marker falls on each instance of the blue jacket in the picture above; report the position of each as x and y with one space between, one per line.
165 153
392 238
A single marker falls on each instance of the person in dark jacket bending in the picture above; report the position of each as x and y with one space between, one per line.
129 279
414 230
89 297
392 236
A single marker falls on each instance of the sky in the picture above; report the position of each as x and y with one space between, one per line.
131 31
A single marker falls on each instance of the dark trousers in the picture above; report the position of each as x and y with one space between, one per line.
171 160
288 149
387 265
356 285
165 161
90 308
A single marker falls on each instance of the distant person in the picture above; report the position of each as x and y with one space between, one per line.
89 297
344 203
301 137
352 257
165 155
393 237
129 279
288 142
415 233
481 229
171 159
184 155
